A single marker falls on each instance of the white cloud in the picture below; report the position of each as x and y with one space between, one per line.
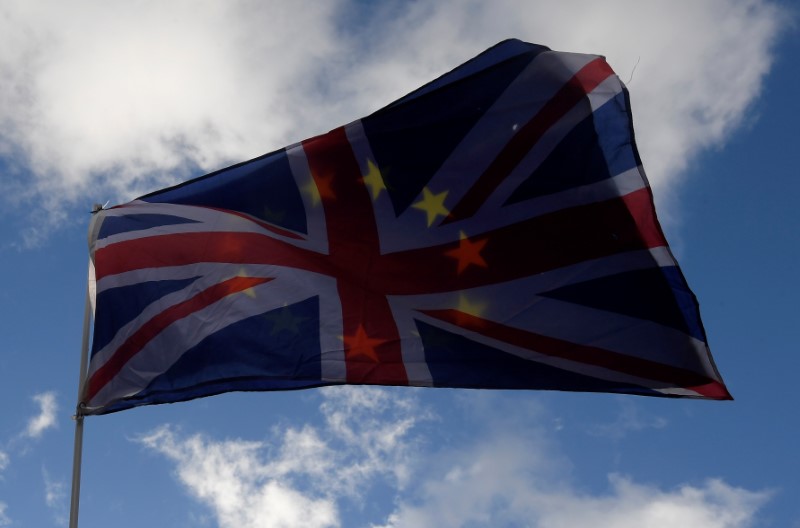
514 473
46 418
510 471
630 418
502 481
231 478
4 461
714 504
4 519
299 478
55 497
97 108
357 416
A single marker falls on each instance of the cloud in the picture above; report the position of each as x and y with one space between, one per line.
46 418
233 480
4 519
714 504
301 475
55 497
514 473
498 483
92 108
509 471
629 419
36 426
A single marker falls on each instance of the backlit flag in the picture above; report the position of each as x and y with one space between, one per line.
492 229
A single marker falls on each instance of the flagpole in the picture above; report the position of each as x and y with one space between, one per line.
77 452
78 444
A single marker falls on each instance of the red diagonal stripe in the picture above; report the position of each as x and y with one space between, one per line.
180 249
714 390
537 245
583 82
669 375
139 339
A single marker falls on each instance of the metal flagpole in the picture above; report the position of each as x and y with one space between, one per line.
77 452
78 445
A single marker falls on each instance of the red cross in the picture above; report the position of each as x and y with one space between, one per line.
365 277
354 259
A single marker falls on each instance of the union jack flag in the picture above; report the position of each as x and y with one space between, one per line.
492 229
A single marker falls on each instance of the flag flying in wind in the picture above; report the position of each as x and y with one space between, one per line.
492 229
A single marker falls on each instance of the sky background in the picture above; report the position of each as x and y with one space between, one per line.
103 101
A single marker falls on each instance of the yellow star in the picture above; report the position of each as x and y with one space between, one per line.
249 291
311 190
432 204
284 320
319 188
470 308
468 252
274 216
373 180
469 314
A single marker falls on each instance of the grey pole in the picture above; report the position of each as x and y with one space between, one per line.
77 452
78 444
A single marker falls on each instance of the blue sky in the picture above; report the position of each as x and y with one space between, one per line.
94 109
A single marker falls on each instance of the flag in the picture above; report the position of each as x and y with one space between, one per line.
492 229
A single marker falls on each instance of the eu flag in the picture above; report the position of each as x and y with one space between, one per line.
492 229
